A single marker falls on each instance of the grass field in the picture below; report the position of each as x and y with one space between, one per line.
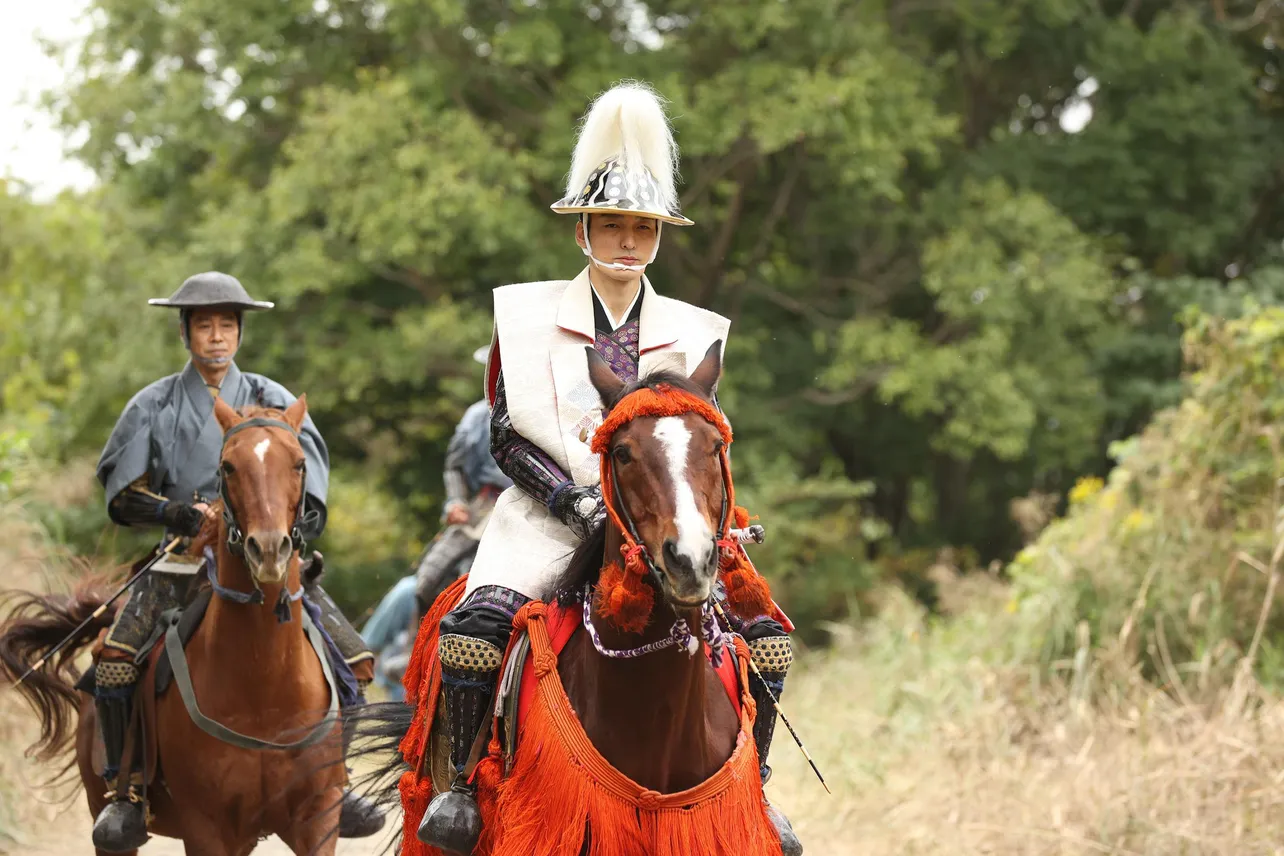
933 736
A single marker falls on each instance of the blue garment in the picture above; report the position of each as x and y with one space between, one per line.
469 451
388 629
394 614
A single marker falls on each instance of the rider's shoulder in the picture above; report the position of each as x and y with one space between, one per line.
274 394
532 291
695 316
155 393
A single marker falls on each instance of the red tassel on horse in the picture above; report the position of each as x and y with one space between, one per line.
624 598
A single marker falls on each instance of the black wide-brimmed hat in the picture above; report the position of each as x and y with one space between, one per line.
211 289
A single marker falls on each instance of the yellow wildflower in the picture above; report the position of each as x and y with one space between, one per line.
1084 489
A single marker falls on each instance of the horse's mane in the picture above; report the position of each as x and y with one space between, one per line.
586 561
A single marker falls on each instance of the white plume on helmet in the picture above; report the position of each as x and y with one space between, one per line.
627 122
625 159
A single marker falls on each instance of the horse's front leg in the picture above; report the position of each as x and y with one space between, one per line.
206 837
315 827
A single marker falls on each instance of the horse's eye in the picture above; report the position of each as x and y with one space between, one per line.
718 447
228 469
298 468
622 454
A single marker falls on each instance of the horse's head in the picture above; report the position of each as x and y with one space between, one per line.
663 443
263 470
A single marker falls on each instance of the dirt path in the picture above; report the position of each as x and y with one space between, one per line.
68 833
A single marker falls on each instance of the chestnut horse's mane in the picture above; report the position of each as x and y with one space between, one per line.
586 561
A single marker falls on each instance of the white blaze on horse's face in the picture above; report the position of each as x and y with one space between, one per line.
688 558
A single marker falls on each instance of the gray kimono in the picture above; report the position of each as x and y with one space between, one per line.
168 433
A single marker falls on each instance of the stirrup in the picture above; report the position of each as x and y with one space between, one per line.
452 821
789 843
122 824
359 817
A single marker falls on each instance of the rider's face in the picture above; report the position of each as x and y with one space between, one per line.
214 334
621 238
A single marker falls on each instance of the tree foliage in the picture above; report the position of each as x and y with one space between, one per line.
941 298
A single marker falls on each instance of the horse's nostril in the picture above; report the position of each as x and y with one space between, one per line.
252 548
674 559
286 547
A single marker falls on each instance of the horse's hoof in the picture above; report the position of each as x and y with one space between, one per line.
359 818
120 827
789 843
452 822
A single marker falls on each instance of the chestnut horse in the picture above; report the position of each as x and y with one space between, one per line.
252 670
647 697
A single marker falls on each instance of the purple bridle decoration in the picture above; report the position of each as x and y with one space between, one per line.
680 636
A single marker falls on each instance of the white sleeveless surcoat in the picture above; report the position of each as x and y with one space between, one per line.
540 335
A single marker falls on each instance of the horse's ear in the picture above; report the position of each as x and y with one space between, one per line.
604 380
709 371
227 417
296 412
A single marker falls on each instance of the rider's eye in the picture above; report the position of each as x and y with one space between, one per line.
622 454
228 469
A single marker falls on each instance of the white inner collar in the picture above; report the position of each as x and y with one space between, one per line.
615 325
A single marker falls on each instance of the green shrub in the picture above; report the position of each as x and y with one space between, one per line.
1168 559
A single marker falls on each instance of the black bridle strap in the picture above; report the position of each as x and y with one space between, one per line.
623 511
236 537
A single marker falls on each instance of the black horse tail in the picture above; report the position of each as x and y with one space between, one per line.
35 624
375 731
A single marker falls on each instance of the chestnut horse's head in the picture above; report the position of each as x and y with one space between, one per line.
263 471
666 441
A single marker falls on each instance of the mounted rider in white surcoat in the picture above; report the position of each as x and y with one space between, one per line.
544 410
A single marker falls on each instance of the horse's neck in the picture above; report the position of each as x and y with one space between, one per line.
250 634
662 719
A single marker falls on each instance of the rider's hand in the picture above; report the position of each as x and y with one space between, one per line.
183 518
457 514
203 508
581 509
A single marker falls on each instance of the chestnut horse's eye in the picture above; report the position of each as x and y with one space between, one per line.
228 469
718 447
298 468
622 454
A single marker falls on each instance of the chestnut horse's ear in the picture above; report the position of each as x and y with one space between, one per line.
604 380
296 412
709 371
227 417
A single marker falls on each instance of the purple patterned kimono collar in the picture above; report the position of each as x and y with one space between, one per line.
621 349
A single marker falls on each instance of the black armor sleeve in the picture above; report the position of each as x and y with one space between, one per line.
520 459
136 506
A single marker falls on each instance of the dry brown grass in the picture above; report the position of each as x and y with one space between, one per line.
930 748
27 563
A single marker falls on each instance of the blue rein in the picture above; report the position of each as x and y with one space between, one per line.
282 608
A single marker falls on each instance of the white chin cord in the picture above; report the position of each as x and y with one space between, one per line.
587 250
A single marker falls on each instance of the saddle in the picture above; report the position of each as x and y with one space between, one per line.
156 675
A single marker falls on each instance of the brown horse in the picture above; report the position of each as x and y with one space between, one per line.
252 670
659 719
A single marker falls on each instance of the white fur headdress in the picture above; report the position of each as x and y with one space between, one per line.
625 158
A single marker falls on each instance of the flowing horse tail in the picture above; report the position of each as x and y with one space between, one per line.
35 624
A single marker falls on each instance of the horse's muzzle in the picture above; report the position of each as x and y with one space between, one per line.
268 555
689 582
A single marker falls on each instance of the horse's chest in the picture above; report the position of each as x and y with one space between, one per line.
665 735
